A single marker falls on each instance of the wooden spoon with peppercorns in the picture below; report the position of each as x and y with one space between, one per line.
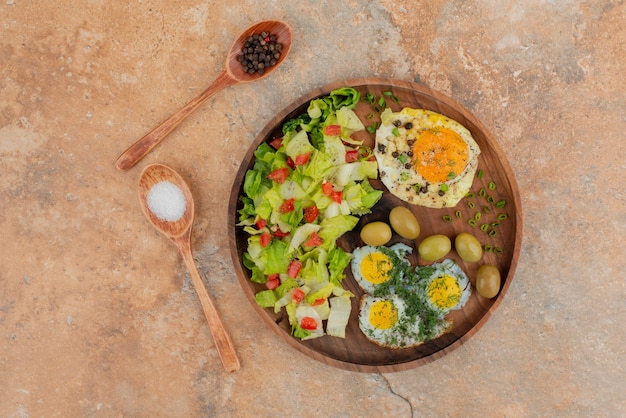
271 33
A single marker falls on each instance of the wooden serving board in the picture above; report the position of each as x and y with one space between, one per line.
355 352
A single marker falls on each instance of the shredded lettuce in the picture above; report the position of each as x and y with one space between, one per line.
282 209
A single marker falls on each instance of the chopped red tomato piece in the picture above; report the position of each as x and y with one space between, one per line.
273 280
352 155
294 269
261 223
276 143
327 187
308 323
265 239
313 241
279 175
331 130
287 206
298 295
291 163
280 234
310 214
318 301
302 159
336 196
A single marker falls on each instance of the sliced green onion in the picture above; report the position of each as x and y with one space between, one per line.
484 227
387 93
501 203
471 205
487 210
395 132
382 103
492 233
495 224
502 216
482 192
444 187
497 250
469 195
490 199
488 248
492 185
480 174
471 222
370 116
477 216
446 218
395 99
458 213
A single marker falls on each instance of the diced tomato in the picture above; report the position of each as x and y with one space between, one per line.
280 234
294 269
308 323
298 295
302 159
336 196
318 301
313 241
261 223
265 239
352 155
279 175
331 130
276 143
287 206
310 214
327 187
273 280
291 163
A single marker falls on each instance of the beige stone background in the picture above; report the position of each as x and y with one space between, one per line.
98 317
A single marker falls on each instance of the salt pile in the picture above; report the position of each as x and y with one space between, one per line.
167 201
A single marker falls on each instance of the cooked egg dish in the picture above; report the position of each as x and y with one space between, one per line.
425 158
446 286
383 320
374 266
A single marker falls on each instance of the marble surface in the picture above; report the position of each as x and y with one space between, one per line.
98 316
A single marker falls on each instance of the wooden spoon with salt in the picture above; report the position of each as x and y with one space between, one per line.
179 232
232 73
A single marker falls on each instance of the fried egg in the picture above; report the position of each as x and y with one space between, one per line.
373 266
447 288
383 320
425 158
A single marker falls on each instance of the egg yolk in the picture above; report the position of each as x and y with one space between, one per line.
440 154
375 268
383 314
444 292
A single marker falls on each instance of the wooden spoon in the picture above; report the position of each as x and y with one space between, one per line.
179 231
232 73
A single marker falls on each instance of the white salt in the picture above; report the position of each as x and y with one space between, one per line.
167 201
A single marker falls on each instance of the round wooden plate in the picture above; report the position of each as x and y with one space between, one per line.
355 352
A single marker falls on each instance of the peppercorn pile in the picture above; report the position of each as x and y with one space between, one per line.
260 52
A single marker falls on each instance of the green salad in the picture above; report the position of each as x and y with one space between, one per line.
304 191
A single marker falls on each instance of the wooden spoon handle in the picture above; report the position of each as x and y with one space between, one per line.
222 340
139 149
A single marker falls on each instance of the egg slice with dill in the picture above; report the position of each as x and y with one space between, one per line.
375 266
383 320
444 286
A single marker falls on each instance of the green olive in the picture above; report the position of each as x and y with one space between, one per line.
434 247
468 247
488 281
376 233
404 223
